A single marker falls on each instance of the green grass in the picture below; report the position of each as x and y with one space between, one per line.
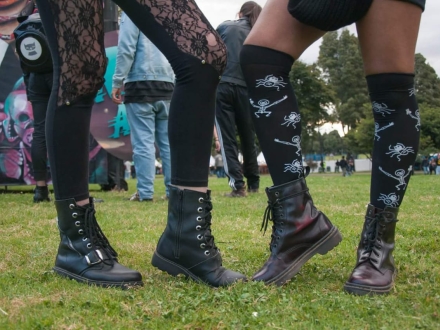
33 297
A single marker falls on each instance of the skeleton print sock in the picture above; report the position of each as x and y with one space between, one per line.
274 110
396 136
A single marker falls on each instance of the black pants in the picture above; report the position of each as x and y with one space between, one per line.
232 111
39 89
195 51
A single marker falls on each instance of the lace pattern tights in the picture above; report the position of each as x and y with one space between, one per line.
78 26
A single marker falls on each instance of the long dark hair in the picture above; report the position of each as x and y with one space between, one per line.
251 10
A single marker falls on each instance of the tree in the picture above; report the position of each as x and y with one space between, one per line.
341 62
333 143
314 99
427 83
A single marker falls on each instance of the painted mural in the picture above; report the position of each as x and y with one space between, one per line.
109 127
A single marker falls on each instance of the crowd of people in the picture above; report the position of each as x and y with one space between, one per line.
198 55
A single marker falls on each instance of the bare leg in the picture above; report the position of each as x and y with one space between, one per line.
388 36
266 60
277 29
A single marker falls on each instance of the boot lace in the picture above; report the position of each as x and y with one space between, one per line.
95 234
373 239
273 212
205 226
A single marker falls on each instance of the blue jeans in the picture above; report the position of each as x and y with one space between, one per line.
149 124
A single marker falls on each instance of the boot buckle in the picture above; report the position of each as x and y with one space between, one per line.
94 257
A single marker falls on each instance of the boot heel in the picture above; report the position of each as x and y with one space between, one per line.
161 263
331 241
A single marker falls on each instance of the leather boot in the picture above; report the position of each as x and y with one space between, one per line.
240 192
84 253
41 194
375 271
299 232
187 246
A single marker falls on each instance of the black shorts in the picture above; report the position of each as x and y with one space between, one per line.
329 15
420 3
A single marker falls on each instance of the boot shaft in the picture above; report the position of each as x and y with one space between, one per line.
294 216
189 225
378 237
80 232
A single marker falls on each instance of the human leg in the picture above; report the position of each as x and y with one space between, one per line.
246 131
141 118
226 130
162 140
84 253
388 26
39 88
198 57
299 230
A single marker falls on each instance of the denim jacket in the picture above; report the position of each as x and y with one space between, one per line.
138 58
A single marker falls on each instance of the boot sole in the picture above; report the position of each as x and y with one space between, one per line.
104 284
362 290
173 269
326 244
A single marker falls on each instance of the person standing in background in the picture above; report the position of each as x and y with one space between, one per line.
148 83
232 107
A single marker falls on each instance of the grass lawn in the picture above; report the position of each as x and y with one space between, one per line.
33 297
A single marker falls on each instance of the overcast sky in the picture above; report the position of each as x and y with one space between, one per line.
428 42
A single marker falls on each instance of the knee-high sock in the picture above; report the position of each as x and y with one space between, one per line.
274 110
396 137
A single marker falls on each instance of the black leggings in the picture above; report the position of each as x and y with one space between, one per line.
178 28
39 89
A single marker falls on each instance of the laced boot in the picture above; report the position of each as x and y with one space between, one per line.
187 246
84 253
299 232
375 271
41 194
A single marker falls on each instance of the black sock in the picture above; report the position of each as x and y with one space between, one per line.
274 110
396 139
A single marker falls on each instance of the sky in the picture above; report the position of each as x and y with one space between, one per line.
428 43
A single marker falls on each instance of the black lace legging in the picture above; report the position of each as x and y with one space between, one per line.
179 29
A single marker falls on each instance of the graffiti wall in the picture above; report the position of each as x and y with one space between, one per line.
109 128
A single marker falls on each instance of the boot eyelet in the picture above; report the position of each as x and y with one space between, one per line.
200 210
277 194
77 223
275 246
202 246
74 215
282 223
281 230
201 200
207 253
89 245
71 206
199 237
278 238
81 231
198 227
199 219
85 239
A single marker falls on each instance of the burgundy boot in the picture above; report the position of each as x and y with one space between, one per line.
375 270
299 232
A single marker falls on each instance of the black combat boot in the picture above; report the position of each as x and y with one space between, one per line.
299 232
41 194
187 246
375 271
85 253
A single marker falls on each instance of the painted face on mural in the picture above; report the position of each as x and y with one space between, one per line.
18 125
9 11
